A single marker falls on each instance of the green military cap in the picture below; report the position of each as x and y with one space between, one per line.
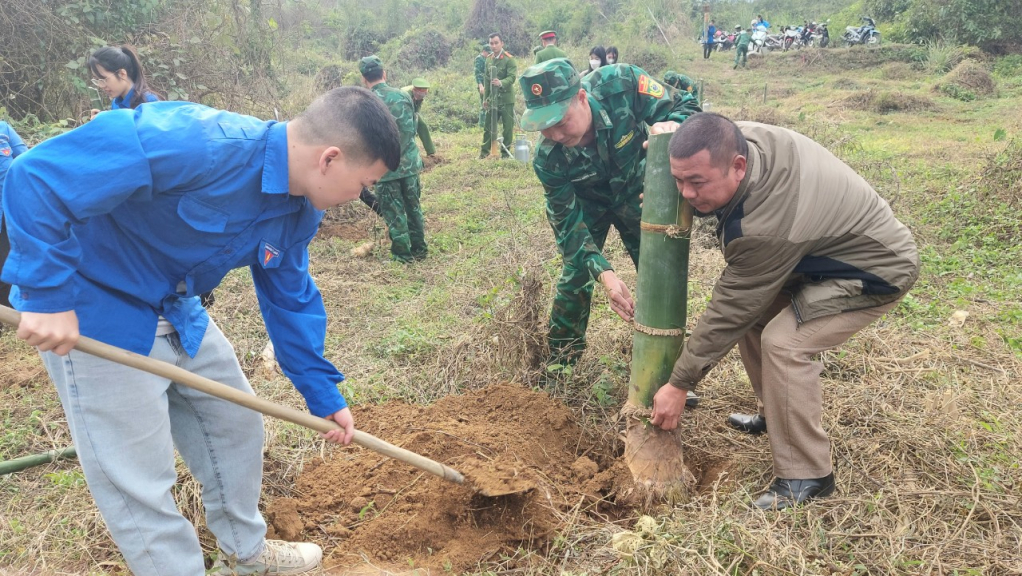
548 88
420 83
547 34
369 64
678 81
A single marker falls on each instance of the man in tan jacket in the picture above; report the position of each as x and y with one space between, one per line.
813 255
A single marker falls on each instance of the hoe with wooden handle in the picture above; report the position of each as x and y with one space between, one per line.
222 391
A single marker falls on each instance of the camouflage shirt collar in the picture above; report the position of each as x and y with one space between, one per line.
600 117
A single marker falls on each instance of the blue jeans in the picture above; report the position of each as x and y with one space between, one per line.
126 423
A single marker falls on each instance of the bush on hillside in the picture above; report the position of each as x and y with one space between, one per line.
423 50
490 16
652 59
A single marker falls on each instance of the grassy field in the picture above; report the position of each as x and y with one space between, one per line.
922 407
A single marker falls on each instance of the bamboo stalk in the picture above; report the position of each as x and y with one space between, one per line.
19 464
661 297
655 456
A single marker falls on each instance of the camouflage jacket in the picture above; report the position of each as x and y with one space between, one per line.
480 69
549 53
624 100
403 110
743 40
503 68
420 125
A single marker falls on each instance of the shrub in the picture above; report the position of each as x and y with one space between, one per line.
1008 66
424 50
942 56
649 59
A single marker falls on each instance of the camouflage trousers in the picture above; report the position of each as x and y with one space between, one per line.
569 317
505 115
399 202
742 53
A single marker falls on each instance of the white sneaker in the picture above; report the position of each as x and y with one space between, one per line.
278 557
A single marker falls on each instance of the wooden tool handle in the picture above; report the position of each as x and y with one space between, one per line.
222 391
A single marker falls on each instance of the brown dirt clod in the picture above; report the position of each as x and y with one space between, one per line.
363 507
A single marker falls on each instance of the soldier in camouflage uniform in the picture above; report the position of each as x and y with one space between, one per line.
591 161
480 71
681 82
500 97
418 91
399 190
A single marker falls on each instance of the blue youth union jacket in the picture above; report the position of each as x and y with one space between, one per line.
130 216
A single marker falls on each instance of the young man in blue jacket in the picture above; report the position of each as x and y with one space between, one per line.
116 227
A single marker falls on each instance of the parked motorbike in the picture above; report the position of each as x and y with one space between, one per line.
790 35
807 38
725 42
761 41
865 34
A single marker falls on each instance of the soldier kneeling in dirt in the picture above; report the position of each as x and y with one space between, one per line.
813 255
175 196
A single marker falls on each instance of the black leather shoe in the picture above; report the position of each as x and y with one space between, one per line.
750 424
784 493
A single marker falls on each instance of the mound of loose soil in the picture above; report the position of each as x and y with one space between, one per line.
364 507
430 162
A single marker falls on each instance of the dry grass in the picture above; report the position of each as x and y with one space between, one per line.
885 102
968 77
923 417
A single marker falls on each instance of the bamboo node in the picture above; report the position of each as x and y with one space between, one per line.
669 230
631 411
658 331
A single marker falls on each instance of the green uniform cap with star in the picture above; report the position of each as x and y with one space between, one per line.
369 64
548 88
420 83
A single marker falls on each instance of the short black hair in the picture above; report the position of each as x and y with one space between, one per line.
356 121
713 133
497 36
373 75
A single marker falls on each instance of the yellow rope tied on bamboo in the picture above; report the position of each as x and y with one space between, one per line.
669 230
658 331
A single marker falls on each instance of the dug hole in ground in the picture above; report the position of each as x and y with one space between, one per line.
375 515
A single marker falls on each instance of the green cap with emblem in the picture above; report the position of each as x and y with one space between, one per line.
420 83
369 64
548 88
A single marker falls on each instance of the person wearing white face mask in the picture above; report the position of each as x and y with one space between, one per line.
597 58
612 55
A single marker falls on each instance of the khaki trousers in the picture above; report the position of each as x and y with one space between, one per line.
778 356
